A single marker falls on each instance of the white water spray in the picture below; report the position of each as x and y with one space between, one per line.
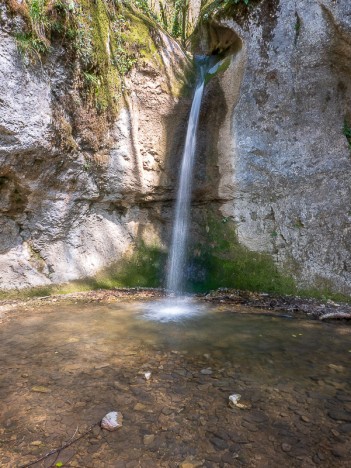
177 257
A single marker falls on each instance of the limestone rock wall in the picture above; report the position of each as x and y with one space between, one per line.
65 215
284 162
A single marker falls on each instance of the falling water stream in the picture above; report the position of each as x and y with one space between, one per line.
177 257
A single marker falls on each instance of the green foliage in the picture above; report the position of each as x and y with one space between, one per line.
163 13
243 270
83 45
172 16
298 224
226 8
143 6
144 268
86 27
104 39
91 79
176 28
347 132
87 166
33 43
123 60
297 25
235 2
222 261
43 19
37 12
180 19
30 47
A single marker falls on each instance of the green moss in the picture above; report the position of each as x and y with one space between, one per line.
219 67
144 268
324 295
221 261
226 8
138 38
94 46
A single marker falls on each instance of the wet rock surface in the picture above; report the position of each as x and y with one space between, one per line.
90 355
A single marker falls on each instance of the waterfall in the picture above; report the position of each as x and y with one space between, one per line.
177 256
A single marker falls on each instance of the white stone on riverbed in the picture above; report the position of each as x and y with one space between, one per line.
112 421
234 402
234 399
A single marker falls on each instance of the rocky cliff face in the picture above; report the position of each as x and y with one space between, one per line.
284 161
77 192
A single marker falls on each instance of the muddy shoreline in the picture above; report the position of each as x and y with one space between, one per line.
267 304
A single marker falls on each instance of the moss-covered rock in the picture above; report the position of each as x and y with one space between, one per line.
221 261
105 39
236 9
220 67
145 267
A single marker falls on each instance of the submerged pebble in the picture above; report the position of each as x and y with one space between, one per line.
112 421
234 399
286 447
234 402
148 439
40 389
